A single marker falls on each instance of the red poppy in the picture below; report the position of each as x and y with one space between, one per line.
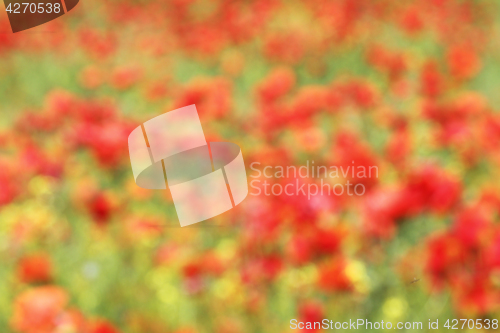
37 310
35 268
103 326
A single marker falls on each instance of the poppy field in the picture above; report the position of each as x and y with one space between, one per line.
408 90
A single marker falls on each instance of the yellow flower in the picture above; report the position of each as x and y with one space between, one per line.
394 308
356 272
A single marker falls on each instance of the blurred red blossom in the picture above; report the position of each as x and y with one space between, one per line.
98 44
35 268
276 84
101 206
125 77
37 310
463 62
311 312
412 20
332 276
102 326
212 96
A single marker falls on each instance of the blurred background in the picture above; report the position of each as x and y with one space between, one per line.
408 86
